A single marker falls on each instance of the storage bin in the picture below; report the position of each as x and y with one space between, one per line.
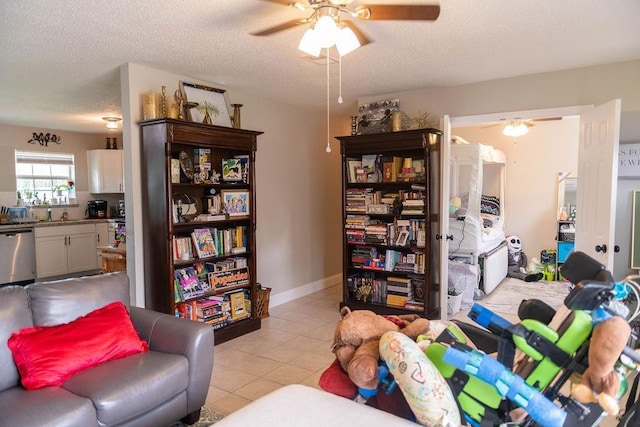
564 249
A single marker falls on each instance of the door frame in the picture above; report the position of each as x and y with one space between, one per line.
456 121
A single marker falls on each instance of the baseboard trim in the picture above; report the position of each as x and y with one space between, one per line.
304 290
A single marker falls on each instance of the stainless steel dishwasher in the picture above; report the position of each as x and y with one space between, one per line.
17 257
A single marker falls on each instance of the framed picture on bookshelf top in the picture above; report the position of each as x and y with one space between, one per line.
235 202
209 98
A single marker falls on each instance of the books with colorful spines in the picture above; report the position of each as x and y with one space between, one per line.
203 275
203 242
188 281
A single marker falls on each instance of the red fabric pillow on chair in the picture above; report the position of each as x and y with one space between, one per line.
49 355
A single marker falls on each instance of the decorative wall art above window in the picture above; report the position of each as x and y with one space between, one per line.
44 138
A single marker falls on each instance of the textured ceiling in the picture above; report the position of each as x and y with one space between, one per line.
59 60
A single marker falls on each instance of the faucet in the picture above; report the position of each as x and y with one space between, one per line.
49 214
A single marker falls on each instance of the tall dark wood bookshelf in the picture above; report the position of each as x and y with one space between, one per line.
163 140
393 271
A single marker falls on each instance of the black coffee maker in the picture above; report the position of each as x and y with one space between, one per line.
96 209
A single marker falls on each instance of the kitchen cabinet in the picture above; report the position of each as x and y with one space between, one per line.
102 238
106 171
65 249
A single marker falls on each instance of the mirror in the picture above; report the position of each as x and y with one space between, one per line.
567 195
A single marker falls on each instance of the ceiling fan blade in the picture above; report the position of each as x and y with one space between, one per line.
280 27
490 126
283 2
546 119
401 12
362 38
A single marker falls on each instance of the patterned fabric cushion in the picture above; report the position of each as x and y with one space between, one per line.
490 205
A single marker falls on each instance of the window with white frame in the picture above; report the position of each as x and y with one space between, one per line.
45 177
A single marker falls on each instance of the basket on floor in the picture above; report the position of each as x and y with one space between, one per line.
262 302
453 303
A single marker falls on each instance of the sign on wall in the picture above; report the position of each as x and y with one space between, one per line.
629 160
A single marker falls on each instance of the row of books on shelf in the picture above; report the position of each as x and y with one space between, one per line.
208 242
361 229
379 168
204 277
217 310
400 292
369 258
369 201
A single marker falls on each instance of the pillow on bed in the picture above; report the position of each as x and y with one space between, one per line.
490 221
490 205
49 355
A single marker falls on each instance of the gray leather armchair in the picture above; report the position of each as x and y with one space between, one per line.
156 388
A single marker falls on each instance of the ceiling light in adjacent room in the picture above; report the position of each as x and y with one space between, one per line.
515 129
112 122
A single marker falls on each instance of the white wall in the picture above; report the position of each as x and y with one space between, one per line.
584 86
298 214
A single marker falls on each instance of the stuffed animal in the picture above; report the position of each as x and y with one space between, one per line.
607 342
357 336
518 261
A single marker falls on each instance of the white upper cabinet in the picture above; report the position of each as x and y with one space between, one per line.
106 171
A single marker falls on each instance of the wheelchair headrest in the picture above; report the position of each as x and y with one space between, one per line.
580 266
589 295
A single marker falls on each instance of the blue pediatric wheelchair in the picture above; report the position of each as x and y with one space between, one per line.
528 383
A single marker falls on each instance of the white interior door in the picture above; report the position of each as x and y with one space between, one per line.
444 214
597 183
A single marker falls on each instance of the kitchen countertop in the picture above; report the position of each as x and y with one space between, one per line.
34 224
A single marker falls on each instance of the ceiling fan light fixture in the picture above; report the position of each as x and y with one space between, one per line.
346 42
326 31
515 129
310 44
112 122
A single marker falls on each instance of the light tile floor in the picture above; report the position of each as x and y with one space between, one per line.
293 345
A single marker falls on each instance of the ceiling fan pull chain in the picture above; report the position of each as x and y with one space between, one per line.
340 79
328 149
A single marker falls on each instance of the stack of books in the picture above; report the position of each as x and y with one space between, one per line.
399 291
413 207
376 233
357 200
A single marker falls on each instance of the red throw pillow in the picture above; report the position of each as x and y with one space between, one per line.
49 355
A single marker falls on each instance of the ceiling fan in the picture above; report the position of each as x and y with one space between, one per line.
518 127
338 8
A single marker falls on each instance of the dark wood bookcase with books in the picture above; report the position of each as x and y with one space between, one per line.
390 187
200 265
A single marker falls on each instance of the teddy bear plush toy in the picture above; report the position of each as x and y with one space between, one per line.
601 379
357 336
518 261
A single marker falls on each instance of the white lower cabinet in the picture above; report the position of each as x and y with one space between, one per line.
65 249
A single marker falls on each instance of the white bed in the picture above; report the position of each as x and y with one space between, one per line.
476 228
